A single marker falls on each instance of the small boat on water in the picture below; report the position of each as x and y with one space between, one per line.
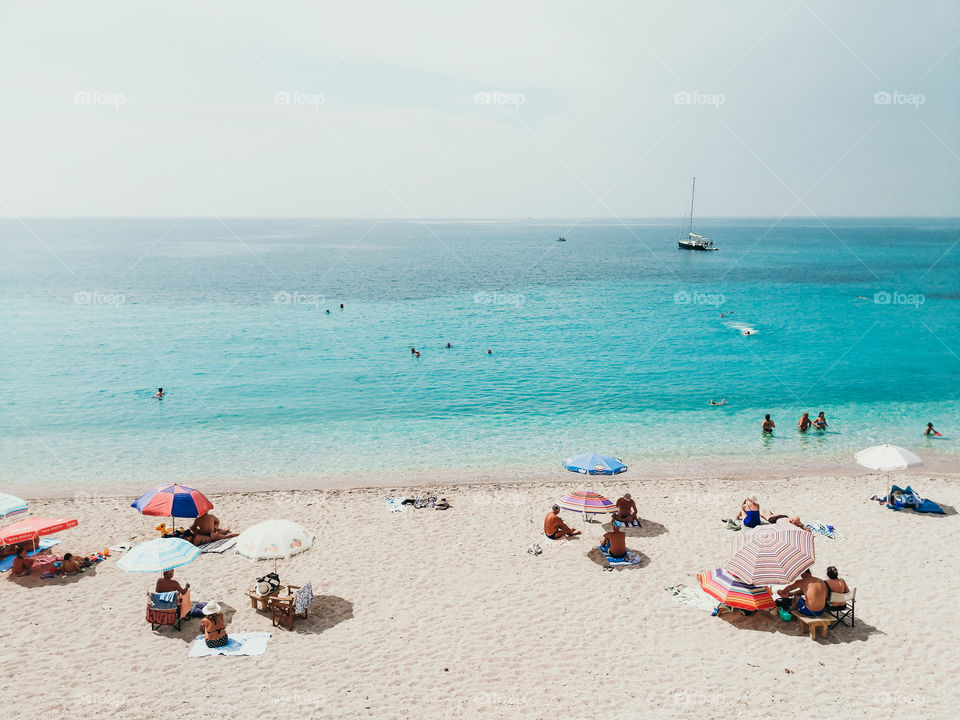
693 241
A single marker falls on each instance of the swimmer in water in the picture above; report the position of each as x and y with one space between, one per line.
158 393
747 332
341 306
413 350
820 422
931 431
804 423
489 352
722 402
767 425
448 346
416 353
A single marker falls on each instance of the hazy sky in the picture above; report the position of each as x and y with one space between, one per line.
423 109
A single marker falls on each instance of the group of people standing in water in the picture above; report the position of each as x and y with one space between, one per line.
803 424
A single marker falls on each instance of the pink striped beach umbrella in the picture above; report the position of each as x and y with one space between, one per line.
731 591
587 502
771 554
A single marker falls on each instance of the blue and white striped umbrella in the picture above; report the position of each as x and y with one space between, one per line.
11 505
158 555
594 464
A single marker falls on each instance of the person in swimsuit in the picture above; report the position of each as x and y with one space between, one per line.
836 584
722 402
214 628
749 512
809 594
767 425
626 509
554 528
615 541
820 422
804 423
206 528
168 584
158 393
21 563
931 431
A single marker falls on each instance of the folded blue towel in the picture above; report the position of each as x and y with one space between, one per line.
163 601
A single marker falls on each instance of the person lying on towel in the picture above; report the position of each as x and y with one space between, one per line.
615 541
555 528
626 509
206 528
809 594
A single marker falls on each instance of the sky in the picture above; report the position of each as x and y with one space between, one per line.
420 109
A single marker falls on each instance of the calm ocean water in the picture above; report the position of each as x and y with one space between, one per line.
612 341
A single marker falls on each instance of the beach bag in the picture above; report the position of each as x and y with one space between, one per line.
268 584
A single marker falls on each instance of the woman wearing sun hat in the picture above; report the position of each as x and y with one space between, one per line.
214 628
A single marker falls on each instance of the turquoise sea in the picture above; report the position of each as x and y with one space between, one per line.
611 341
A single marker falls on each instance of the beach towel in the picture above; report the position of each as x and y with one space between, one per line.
254 643
303 599
395 504
910 498
634 523
425 503
218 546
163 601
631 558
694 597
45 543
823 529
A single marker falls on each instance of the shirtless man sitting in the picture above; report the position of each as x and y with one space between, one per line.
809 594
615 541
206 528
554 528
168 584
626 510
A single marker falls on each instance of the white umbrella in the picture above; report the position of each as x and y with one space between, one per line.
887 457
273 539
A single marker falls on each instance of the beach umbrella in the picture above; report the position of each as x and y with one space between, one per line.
158 555
174 501
887 457
731 591
273 540
774 554
11 505
594 464
33 529
586 502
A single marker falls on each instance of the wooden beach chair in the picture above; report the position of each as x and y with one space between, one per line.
285 608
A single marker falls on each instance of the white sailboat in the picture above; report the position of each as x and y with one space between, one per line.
694 241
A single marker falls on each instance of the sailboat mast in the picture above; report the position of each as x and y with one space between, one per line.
693 192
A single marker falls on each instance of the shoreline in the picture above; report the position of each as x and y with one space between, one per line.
710 469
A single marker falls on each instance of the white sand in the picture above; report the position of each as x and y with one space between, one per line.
425 614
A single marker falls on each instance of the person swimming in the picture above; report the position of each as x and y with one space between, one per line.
448 346
722 402
931 431
158 393
489 352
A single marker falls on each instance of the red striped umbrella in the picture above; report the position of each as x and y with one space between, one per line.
774 554
174 500
731 591
32 529
586 501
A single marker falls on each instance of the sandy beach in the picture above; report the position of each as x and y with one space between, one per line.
430 614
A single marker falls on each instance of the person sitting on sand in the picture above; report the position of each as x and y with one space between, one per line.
554 528
767 425
168 584
809 594
71 564
836 584
214 627
804 423
206 528
749 512
931 431
626 510
615 541
820 422
21 563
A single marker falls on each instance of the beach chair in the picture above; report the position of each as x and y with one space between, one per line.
167 609
841 613
285 608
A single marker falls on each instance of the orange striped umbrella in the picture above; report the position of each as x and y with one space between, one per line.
586 501
731 591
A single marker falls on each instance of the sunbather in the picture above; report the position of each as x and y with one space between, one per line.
554 528
773 519
809 594
615 541
626 509
168 584
21 563
836 584
214 627
749 512
71 564
206 528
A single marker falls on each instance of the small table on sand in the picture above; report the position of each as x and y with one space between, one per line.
261 602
